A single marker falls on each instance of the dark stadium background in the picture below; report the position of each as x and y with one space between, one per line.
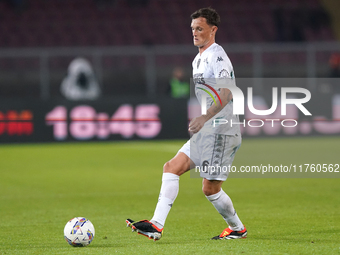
133 47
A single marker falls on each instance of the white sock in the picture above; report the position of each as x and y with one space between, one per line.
224 206
167 195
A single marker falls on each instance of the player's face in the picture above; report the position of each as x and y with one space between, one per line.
203 34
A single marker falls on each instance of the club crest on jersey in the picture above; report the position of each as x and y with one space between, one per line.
219 59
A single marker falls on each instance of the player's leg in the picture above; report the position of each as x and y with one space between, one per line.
172 169
177 166
223 204
219 154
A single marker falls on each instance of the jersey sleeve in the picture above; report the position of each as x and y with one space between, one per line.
222 66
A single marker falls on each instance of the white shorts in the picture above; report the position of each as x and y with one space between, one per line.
212 154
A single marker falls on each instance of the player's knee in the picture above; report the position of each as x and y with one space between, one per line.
167 168
210 188
207 190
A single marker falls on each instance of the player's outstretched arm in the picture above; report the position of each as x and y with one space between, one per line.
196 124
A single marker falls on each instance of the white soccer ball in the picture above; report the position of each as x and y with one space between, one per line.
79 231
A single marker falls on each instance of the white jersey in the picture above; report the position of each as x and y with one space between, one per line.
209 66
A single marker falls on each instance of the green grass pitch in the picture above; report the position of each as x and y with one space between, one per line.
42 186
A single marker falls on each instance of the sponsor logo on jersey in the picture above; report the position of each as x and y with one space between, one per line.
219 59
198 78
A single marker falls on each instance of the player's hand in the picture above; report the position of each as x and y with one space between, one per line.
196 124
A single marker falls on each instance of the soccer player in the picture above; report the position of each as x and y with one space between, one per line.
209 145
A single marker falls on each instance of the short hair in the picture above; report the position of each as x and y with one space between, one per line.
212 17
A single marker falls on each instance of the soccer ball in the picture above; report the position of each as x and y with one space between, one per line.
79 231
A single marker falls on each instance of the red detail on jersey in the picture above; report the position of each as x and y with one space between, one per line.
213 90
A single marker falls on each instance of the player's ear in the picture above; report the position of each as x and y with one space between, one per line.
214 29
